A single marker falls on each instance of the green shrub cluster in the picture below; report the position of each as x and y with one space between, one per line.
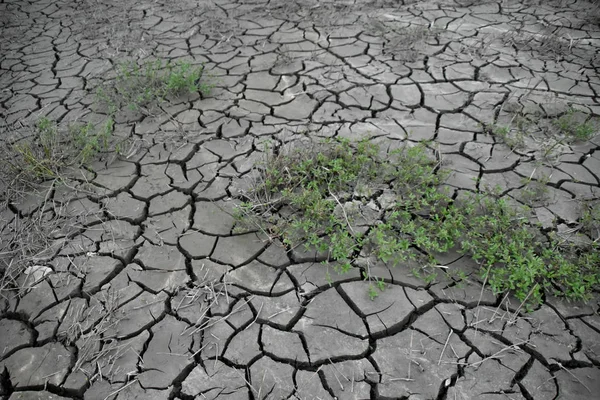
317 196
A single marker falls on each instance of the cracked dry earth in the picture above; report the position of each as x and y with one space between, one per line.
153 293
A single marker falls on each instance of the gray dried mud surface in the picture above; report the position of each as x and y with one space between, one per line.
153 294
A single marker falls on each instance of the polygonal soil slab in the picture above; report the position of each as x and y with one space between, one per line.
410 364
167 355
34 367
13 335
213 380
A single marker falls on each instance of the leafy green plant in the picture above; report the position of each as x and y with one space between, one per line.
376 285
137 86
51 148
590 219
534 191
512 137
517 257
458 276
497 237
90 141
574 129
324 196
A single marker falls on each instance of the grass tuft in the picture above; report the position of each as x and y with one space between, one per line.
573 128
139 86
48 148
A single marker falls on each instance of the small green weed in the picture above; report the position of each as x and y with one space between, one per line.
534 191
574 129
137 86
552 135
512 137
377 285
52 148
590 219
326 196
458 276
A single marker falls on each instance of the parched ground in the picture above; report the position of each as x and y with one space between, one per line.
149 292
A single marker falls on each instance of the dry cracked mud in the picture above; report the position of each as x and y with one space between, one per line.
150 292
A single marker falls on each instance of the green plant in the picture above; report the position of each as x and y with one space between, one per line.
374 285
318 186
590 219
534 191
517 257
47 148
137 86
90 141
513 138
498 237
51 148
557 132
38 156
324 196
574 129
458 276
